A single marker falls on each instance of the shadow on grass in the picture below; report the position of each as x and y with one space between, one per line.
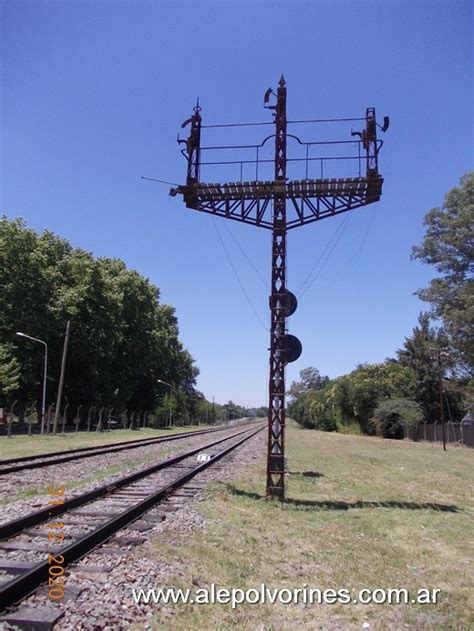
307 474
335 505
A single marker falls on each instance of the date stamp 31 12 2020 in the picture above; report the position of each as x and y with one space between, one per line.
55 535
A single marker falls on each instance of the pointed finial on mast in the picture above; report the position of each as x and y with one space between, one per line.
282 81
197 108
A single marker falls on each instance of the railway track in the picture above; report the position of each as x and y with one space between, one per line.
13 465
135 502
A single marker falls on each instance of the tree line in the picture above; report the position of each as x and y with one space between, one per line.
404 391
123 338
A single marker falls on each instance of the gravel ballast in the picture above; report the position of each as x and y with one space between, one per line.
105 601
80 472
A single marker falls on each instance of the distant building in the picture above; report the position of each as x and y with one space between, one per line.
468 419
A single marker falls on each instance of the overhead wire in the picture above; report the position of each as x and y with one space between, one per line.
237 124
244 291
327 120
153 179
311 120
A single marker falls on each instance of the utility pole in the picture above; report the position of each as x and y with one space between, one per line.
61 378
280 205
441 402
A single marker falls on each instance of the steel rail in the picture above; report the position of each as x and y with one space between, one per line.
16 526
29 581
97 450
95 447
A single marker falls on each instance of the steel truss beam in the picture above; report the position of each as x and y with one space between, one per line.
306 209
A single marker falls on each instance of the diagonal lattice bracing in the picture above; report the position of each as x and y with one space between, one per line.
309 200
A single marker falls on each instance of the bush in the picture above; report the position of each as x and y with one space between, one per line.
349 428
393 415
324 424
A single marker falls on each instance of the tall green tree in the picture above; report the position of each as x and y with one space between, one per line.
448 245
26 291
231 410
10 370
420 355
310 379
122 338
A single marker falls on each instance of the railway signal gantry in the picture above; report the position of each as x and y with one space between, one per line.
280 204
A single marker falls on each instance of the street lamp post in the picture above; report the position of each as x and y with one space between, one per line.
43 406
171 394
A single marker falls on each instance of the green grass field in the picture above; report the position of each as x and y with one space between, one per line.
369 513
17 446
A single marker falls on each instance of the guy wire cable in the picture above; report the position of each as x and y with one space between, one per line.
354 258
340 229
237 277
246 255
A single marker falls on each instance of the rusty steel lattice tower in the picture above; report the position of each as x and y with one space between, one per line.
309 200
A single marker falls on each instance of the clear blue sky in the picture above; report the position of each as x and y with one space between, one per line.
93 95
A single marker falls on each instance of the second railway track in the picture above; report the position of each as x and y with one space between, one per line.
13 465
104 512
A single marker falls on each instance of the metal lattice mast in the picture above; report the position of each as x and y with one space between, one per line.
296 203
276 405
